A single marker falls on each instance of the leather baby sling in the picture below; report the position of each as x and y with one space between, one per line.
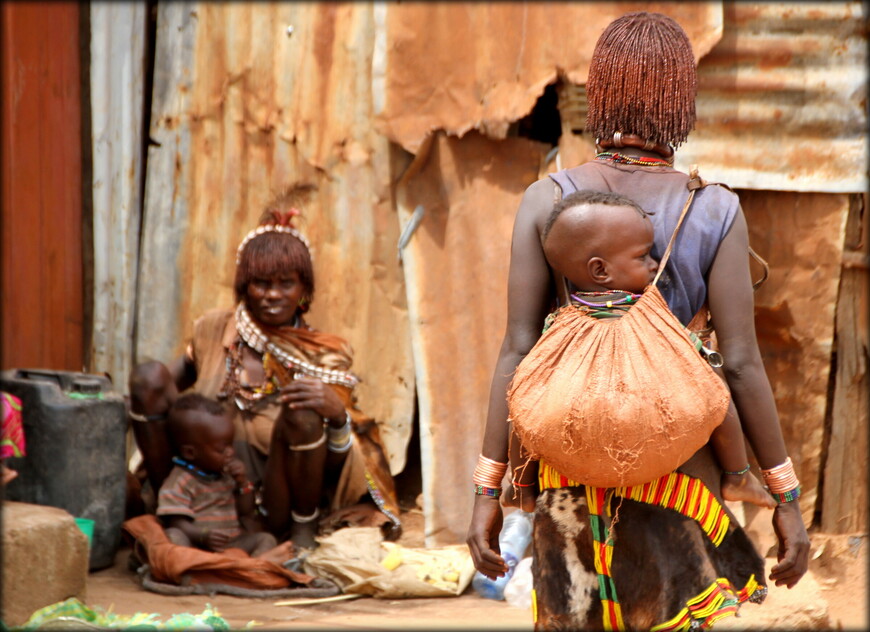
617 401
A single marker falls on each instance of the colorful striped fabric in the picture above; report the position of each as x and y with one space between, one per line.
682 493
679 492
210 504
717 601
602 545
12 431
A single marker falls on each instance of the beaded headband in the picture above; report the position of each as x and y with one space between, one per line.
281 225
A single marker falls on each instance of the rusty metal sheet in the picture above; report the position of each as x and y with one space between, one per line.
456 267
458 66
801 237
250 98
782 99
117 65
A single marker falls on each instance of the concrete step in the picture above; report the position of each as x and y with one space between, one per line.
45 559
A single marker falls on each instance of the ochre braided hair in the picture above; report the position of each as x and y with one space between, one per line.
642 80
273 253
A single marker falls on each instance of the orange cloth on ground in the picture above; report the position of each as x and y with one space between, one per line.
183 565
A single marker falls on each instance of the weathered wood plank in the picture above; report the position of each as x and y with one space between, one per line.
844 506
42 305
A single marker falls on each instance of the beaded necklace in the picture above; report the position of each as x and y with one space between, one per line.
257 340
608 308
643 161
627 299
245 396
190 467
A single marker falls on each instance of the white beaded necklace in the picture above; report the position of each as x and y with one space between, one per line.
257 340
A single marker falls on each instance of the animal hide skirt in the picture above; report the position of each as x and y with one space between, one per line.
660 556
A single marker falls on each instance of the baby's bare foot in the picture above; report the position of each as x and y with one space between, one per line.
280 554
746 488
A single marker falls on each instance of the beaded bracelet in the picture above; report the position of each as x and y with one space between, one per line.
340 439
787 497
738 473
782 482
482 490
488 473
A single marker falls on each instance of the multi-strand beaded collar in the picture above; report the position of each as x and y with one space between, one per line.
642 161
608 302
259 342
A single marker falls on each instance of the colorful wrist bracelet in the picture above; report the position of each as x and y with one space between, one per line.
782 482
739 473
787 497
482 490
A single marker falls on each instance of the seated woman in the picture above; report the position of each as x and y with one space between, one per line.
305 444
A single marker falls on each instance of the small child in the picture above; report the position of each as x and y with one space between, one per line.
601 243
207 501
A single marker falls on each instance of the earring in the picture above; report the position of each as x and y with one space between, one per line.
304 304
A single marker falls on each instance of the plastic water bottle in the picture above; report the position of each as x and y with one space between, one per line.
516 533
518 591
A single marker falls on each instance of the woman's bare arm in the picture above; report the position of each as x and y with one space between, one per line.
529 291
732 311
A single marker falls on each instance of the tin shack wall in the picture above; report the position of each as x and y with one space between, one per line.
457 66
782 99
250 98
117 81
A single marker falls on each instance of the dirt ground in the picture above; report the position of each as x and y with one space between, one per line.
832 596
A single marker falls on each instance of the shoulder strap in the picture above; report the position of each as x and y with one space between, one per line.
695 183
562 291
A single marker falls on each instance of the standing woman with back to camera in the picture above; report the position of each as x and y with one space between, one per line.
666 572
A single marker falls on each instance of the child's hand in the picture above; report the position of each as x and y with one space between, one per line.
235 468
216 540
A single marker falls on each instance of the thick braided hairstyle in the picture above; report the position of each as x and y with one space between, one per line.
274 253
642 80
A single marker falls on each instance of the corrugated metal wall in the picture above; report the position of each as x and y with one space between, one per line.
250 98
801 237
456 269
782 99
117 80
485 64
